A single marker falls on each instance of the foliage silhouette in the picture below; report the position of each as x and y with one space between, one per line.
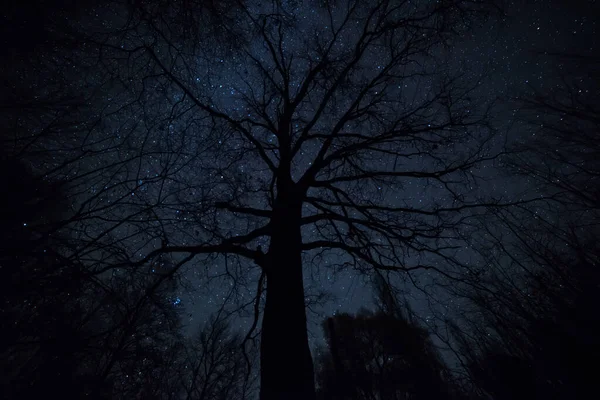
381 355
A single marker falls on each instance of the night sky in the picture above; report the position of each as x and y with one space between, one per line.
502 56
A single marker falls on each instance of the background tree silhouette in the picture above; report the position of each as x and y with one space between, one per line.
214 367
535 299
43 338
100 336
95 336
68 331
381 355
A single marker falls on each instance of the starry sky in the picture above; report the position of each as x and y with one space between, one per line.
505 57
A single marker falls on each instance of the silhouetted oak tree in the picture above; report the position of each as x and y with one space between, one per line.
298 142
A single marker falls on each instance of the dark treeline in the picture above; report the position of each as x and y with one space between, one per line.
129 159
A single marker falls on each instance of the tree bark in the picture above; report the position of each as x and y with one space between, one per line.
286 362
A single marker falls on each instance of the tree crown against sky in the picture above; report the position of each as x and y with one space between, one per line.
169 145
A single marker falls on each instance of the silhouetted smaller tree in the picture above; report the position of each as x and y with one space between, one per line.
380 355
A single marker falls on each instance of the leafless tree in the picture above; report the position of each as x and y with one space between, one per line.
66 331
214 366
347 137
536 289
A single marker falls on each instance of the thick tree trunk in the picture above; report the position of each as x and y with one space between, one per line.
286 362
